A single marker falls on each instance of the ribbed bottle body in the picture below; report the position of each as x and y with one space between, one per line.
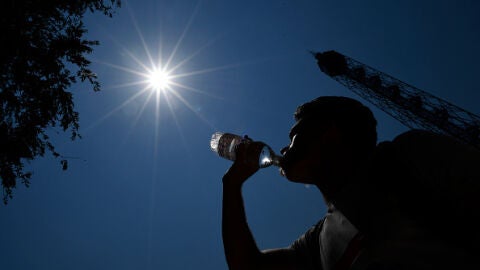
224 144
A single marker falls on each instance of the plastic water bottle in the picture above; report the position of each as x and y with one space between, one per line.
224 145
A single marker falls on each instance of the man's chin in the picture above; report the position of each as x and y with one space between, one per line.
286 174
294 178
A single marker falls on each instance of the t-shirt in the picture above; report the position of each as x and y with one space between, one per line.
323 246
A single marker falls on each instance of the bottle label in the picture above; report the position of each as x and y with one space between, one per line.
227 144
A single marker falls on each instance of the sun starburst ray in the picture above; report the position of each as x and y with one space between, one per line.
137 117
134 58
129 70
185 30
114 110
157 122
177 123
142 39
125 85
181 63
206 70
189 106
196 90
160 50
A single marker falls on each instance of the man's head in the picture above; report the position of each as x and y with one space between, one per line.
328 130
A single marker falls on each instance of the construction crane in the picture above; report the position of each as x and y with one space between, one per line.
411 106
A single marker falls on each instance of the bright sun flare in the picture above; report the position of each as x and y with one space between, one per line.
159 80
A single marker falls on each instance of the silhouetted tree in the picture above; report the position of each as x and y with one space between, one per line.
42 55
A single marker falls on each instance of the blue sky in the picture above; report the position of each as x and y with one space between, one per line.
143 190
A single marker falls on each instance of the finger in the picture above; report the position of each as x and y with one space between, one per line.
241 151
245 153
247 139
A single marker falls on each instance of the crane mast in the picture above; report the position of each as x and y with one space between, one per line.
411 106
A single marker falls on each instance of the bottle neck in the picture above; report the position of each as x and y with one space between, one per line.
276 160
268 157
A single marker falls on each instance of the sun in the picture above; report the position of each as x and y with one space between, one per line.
159 79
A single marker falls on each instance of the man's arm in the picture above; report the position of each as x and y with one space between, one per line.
241 251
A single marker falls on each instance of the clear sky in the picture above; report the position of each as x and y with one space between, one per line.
143 190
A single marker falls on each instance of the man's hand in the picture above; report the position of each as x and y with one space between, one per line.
241 251
246 163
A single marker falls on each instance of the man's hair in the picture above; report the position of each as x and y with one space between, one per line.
354 120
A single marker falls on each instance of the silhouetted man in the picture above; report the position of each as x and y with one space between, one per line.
405 204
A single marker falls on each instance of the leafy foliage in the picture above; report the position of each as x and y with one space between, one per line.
43 54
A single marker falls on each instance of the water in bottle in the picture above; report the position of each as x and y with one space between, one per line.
224 145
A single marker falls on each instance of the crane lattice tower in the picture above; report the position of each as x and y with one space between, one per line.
411 106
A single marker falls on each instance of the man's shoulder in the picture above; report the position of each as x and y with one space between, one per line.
416 143
417 137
